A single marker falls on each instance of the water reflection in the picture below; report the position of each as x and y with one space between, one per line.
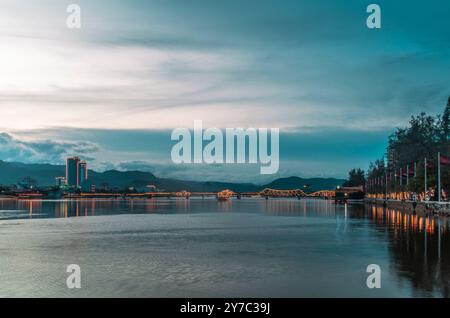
419 246
17 209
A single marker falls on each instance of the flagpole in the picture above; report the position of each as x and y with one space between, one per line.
425 176
401 177
415 169
439 177
407 174
385 196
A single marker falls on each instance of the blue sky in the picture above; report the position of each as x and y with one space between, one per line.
113 90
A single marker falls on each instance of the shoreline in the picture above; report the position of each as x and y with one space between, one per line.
430 207
127 198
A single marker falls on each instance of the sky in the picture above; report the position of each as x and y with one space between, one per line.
113 90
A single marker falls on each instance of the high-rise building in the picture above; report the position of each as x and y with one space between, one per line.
73 171
83 173
76 172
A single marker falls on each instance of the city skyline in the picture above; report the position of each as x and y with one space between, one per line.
76 172
112 91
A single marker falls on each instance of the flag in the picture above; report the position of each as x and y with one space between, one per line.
445 161
411 171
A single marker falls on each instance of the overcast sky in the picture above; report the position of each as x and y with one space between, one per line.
113 90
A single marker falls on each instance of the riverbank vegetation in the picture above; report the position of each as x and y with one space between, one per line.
411 150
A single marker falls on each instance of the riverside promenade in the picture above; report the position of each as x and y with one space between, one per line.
422 207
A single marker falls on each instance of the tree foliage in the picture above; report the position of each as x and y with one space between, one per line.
408 147
356 178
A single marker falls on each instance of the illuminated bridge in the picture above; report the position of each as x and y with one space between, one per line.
282 193
324 194
224 194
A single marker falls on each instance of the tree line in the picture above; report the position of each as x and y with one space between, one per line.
422 139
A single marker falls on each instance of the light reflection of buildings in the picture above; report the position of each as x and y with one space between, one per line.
89 207
419 246
33 207
304 207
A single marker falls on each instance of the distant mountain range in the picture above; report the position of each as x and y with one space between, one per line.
45 174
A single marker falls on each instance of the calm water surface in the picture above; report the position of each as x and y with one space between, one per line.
205 248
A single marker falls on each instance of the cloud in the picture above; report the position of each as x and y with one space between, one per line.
161 64
203 172
311 152
136 165
315 71
47 151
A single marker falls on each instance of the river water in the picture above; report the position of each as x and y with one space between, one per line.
206 248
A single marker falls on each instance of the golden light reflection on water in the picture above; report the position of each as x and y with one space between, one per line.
406 220
419 246
396 219
92 207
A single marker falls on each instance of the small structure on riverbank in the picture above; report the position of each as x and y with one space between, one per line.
343 194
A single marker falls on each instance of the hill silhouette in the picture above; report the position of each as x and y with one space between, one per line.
45 174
